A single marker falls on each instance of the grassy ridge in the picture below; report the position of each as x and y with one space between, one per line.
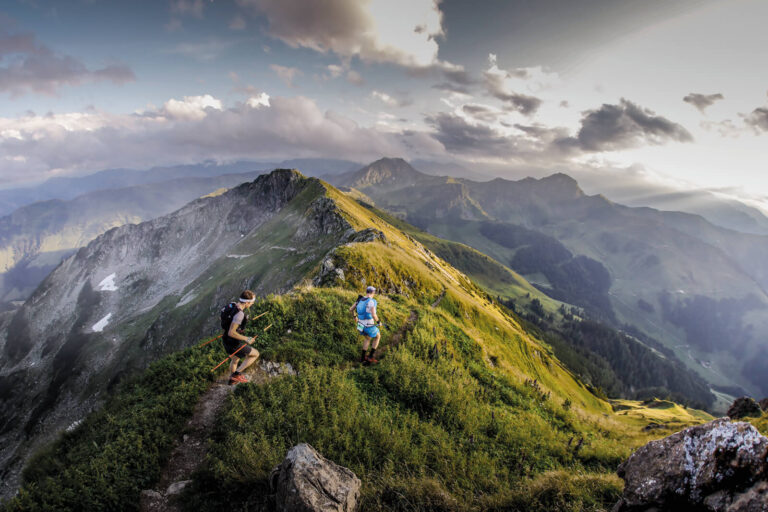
434 426
425 429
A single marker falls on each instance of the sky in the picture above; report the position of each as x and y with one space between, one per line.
673 93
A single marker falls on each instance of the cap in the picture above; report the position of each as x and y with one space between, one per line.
370 289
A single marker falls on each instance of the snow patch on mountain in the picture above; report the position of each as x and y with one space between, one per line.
108 284
101 324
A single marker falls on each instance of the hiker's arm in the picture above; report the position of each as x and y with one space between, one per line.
374 315
236 335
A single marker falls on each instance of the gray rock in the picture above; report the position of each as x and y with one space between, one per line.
151 501
707 467
753 500
177 487
306 481
273 369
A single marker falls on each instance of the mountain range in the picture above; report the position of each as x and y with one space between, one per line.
696 287
467 395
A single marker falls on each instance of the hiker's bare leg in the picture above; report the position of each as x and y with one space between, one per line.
233 364
249 360
376 341
366 343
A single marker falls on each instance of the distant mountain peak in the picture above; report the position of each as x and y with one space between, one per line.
385 172
561 184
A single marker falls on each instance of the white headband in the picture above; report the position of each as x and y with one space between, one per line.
247 300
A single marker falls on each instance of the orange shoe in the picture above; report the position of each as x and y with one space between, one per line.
371 360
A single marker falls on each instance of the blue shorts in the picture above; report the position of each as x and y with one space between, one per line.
371 331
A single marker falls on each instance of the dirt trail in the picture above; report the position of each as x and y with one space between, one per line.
440 298
192 448
398 336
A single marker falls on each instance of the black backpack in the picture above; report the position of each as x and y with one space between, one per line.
228 313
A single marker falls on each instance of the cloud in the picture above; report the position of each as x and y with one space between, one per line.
499 83
27 66
192 129
702 101
191 107
402 32
482 112
758 119
452 88
623 126
480 140
286 74
391 100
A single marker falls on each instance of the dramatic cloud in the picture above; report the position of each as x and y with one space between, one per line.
702 101
758 119
488 140
461 137
286 74
622 126
192 129
402 32
27 66
499 83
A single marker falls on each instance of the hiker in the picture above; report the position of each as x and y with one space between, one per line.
233 321
367 323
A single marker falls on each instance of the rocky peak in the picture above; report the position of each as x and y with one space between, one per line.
385 171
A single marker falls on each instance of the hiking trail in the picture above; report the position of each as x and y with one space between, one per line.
192 447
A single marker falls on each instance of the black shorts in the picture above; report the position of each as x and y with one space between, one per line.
231 345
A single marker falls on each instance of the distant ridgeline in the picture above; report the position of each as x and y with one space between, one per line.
469 408
696 288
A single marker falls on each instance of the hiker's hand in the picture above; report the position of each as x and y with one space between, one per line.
252 339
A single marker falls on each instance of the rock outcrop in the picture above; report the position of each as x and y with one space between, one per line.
306 481
718 466
743 407
764 404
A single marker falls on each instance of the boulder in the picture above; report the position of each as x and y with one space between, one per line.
717 466
743 407
306 481
764 404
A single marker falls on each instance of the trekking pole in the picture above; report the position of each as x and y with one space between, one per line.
212 339
238 350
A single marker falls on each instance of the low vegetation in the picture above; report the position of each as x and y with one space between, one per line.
106 461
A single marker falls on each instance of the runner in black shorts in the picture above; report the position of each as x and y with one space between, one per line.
234 338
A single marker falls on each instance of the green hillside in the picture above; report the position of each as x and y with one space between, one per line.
468 409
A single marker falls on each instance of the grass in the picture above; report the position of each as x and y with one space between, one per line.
434 426
106 461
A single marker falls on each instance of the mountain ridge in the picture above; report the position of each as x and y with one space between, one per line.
664 267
